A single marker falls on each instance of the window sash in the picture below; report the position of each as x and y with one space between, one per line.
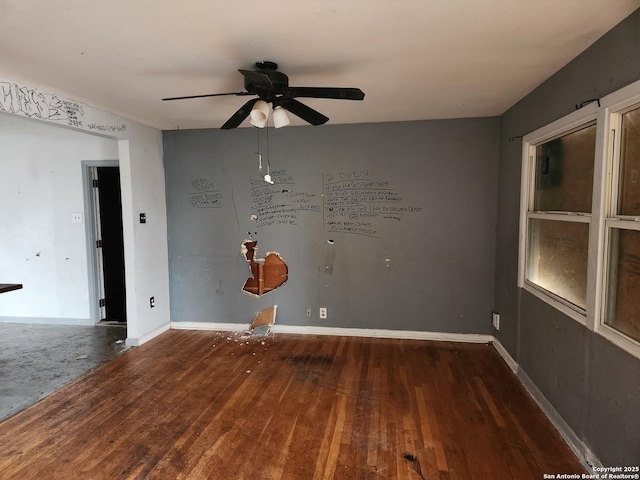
561 270
619 207
611 292
560 176
613 224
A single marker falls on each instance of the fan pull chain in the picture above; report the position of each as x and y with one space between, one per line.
268 157
267 177
258 151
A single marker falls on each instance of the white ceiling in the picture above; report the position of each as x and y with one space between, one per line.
414 59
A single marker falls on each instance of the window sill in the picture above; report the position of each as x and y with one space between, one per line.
578 316
619 339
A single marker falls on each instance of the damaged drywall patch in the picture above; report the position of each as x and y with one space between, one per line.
267 273
263 321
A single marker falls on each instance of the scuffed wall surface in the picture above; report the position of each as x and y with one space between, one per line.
40 247
139 153
387 225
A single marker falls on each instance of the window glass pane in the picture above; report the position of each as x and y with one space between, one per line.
629 197
623 299
557 258
564 172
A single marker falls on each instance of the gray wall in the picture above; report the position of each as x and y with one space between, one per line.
421 257
594 385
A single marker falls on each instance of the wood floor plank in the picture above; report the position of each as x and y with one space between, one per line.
203 405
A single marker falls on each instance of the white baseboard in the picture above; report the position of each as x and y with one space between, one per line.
508 359
584 454
339 331
213 326
48 321
137 341
380 333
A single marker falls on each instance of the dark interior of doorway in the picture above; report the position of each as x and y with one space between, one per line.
112 244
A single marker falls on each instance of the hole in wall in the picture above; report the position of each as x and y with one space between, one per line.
267 273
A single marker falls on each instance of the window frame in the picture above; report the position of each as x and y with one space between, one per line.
606 114
573 122
613 106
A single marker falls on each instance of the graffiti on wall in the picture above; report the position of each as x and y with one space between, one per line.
30 102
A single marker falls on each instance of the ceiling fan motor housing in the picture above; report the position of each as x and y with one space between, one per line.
279 80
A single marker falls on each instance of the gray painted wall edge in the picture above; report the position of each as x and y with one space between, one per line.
594 385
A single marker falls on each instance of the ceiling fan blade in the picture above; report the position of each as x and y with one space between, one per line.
208 95
257 79
307 114
238 117
325 92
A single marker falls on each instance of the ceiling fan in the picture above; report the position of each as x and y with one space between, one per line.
271 86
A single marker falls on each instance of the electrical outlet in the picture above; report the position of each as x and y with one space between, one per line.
323 312
308 313
76 217
496 321
152 302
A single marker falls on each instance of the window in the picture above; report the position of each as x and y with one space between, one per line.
580 216
557 199
622 296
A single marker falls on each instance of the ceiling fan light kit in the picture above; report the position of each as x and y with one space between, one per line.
280 117
272 87
259 114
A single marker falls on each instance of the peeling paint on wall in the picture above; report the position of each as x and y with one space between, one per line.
267 273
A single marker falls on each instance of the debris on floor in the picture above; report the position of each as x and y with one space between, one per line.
261 325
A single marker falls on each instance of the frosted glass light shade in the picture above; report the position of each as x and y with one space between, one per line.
280 117
259 114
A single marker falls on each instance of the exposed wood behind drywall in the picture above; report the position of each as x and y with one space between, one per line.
204 405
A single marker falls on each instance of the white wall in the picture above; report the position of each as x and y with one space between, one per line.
40 247
146 248
139 151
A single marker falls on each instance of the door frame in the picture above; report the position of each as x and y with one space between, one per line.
93 269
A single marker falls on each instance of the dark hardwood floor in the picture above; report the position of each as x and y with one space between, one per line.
203 405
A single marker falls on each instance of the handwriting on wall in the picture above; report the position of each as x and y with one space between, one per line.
107 128
356 203
203 194
280 203
29 102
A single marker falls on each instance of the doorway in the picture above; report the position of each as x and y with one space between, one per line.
108 244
